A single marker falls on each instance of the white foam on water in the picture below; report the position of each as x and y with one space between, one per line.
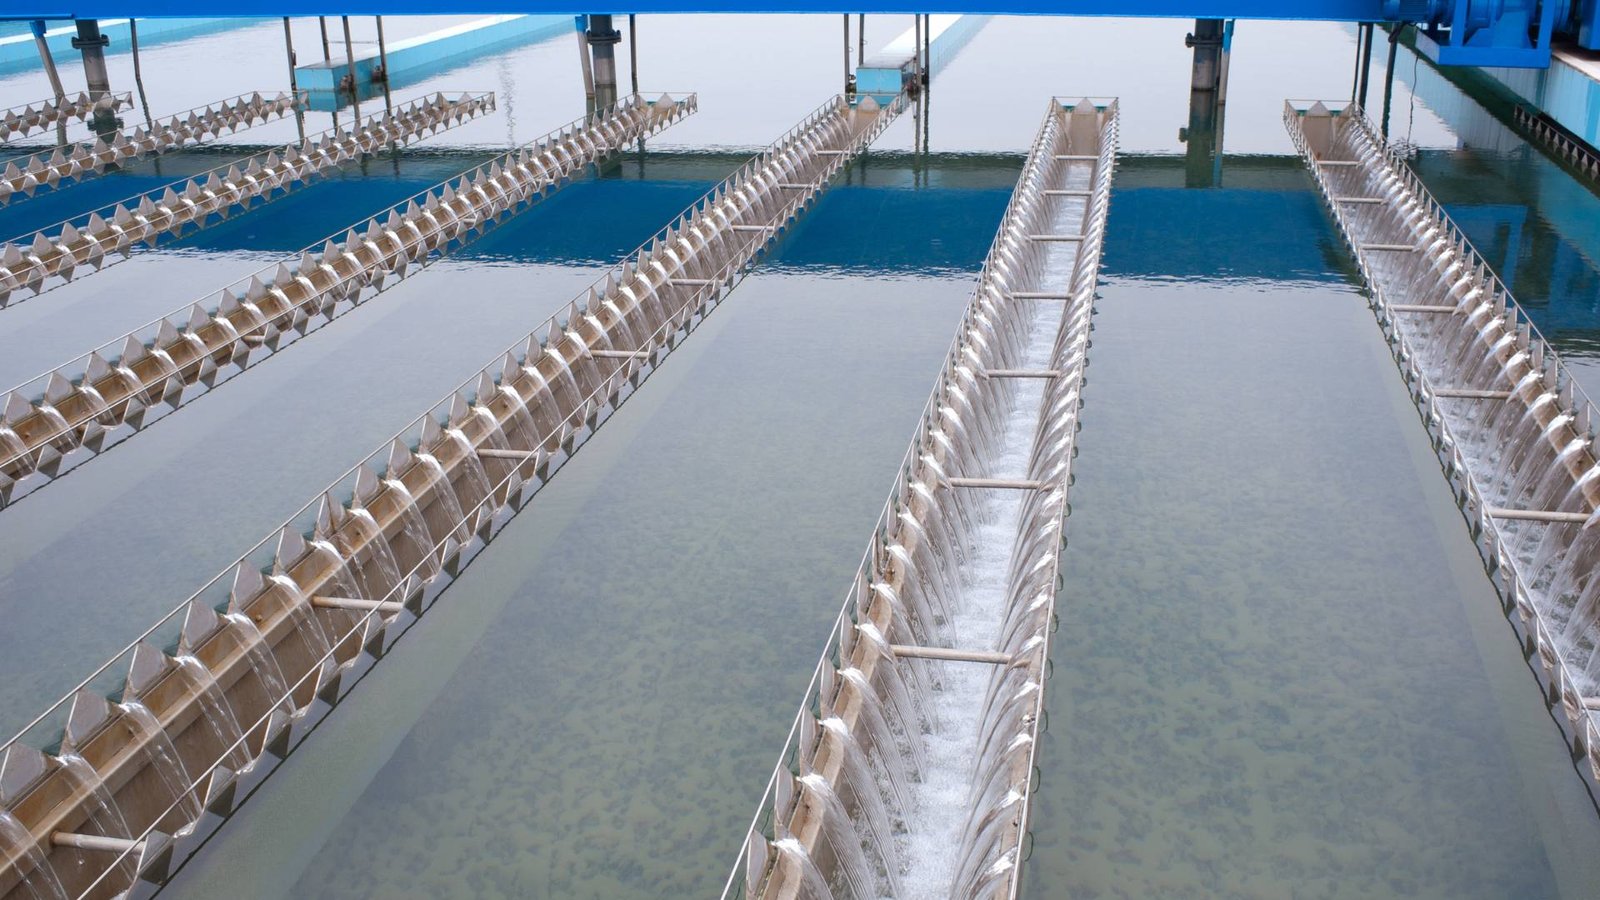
929 854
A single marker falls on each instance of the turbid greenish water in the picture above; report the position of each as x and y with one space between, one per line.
1280 670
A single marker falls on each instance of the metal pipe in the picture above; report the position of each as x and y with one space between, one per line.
861 38
294 87
583 60
350 66
1355 69
1365 40
633 53
947 653
1538 515
93 842
1388 76
37 26
847 53
288 46
603 40
322 23
1021 484
383 61
92 44
138 72
357 603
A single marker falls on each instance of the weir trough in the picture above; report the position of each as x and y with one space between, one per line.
62 418
42 115
161 744
907 770
1511 427
62 165
91 242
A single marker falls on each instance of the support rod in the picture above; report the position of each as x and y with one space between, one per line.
492 453
327 53
138 71
1039 295
350 67
1538 515
946 653
1420 308
357 603
92 44
1364 40
846 53
383 64
1021 373
48 61
1020 484
1472 394
94 842
603 40
1388 75
588 71
620 354
633 52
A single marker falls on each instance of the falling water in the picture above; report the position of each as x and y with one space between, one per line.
306 623
162 758
104 817
447 507
853 870
262 661
18 850
813 886
382 573
415 529
216 711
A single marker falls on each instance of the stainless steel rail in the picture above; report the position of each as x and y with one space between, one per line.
42 115
62 165
788 831
281 637
1512 428
91 242
62 418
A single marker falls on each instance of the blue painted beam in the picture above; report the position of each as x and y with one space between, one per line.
1320 10
415 58
883 74
19 54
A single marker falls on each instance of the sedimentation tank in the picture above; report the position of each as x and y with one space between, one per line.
1304 605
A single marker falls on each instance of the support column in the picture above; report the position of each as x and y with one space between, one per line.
1364 38
46 60
603 40
1388 75
92 44
1207 96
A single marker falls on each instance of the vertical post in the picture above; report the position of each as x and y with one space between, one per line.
49 63
603 40
916 53
633 53
1206 84
294 87
350 67
1355 70
138 72
861 38
383 63
322 23
1388 75
288 47
583 59
1366 64
92 44
847 53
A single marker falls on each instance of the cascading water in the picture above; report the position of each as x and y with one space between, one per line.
162 758
1514 433
216 712
19 851
934 687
